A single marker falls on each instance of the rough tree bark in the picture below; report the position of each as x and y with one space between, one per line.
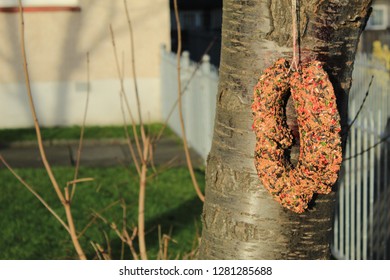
240 218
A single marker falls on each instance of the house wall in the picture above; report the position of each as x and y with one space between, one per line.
384 3
370 35
57 43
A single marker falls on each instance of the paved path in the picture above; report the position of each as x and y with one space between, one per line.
95 153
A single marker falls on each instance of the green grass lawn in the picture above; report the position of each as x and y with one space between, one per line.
73 133
29 231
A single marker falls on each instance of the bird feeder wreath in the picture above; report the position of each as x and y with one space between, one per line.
319 128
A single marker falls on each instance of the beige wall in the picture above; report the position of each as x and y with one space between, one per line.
57 43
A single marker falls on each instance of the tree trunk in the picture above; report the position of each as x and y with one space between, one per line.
240 218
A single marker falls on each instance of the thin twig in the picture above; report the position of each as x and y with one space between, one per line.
128 139
33 111
108 255
125 238
134 70
180 107
146 148
90 223
24 183
361 106
166 166
122 92
80 180
151 154
166 239
130 242
383 139
160 243
94 218
98 254
124 225
141 202
49 171
78 157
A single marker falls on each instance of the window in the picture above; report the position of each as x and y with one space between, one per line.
189 20
379 19
39 5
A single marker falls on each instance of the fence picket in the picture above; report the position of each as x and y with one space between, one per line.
365 190
364 187
200 83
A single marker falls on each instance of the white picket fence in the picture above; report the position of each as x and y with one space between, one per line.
199 89
362 223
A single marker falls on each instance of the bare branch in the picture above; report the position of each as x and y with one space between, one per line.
76 170
64 201
361 105
32 108
122 92
128 139
180 107
134 70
